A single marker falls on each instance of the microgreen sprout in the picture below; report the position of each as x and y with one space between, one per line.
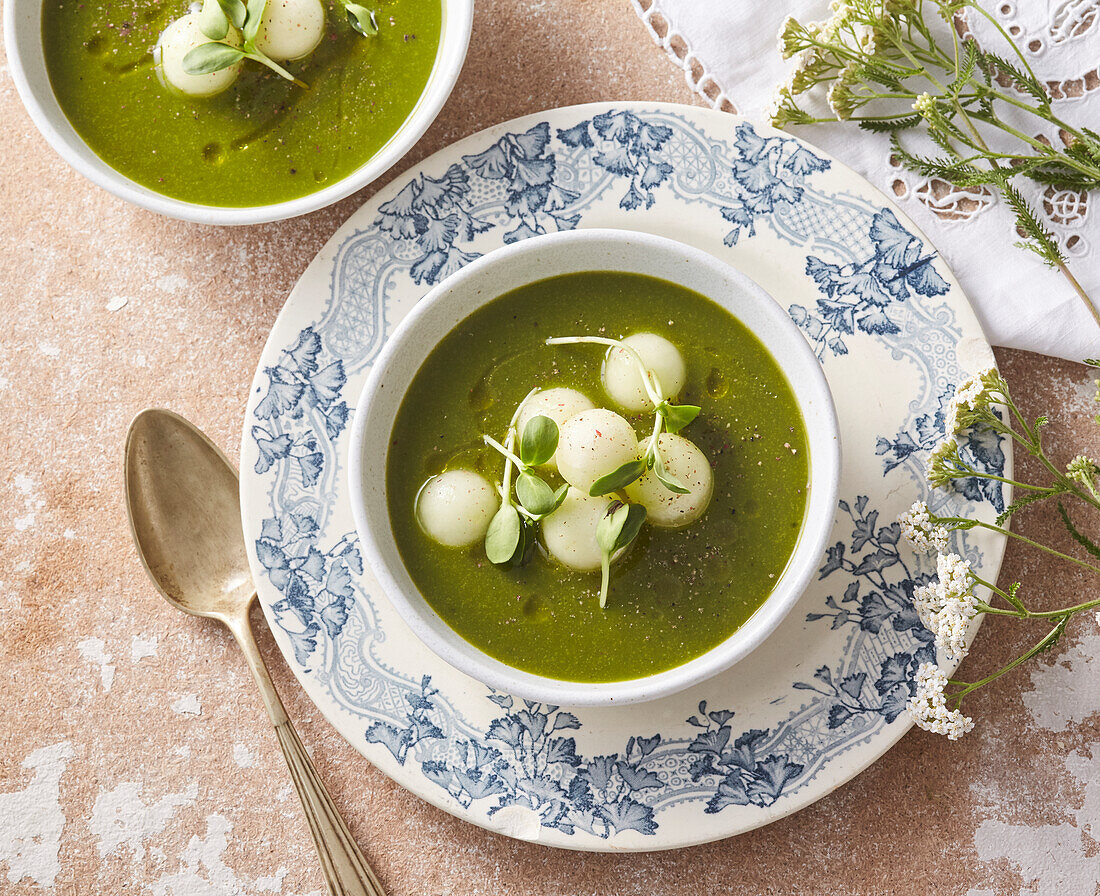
618 528
511 531
502 540
667 417
361 19
216 18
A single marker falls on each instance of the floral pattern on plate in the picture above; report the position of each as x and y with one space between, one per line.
825 695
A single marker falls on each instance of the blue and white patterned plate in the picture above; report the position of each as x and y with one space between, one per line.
824 696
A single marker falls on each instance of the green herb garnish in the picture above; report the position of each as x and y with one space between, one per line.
668 416
539 441
361 19
214 20
217 16
618 528
666 478
619 478
504 535
536 497
511 534
534 494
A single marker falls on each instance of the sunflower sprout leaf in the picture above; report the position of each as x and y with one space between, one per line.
677 416
236 11
620 478
559 496
211 57
213 22
534 494
666 478
254 15
539 441
503 538
618 528
361 19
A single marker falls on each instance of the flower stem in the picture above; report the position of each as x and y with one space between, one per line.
978 524
1089 304
1020 609
1047 641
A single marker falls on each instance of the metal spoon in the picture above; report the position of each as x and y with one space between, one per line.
185 514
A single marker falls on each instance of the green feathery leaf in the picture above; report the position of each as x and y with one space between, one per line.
1036 236
891 125
966 68
1087 543
1058 175
1030 498
1022 80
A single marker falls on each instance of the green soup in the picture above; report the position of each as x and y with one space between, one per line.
678 592
264 140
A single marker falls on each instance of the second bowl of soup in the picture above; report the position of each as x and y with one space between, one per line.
594 467
302 102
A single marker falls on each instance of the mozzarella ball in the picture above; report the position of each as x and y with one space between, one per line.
623 380
179 39
290 29
456 507
559 404
689 465
569 533
593 444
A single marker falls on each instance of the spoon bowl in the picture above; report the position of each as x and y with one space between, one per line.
185 514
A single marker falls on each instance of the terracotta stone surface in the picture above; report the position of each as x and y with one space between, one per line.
131 740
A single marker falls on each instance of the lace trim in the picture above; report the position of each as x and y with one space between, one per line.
1062 210
679 51
1072 19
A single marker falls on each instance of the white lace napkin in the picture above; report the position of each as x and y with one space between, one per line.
728 51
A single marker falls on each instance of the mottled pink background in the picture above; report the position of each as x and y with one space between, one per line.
135 755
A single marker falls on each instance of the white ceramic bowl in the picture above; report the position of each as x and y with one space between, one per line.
26 62
441 310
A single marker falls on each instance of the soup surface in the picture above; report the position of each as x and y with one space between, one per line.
677 592
264 140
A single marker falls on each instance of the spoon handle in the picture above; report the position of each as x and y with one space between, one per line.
346 871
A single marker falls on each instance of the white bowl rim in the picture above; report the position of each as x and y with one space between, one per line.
450 56
801 566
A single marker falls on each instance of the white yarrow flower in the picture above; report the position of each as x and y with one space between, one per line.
970 396
787 37
924 104
928 706
941 462
1084 470
800 78
919 530
971 393
947 606
840 96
